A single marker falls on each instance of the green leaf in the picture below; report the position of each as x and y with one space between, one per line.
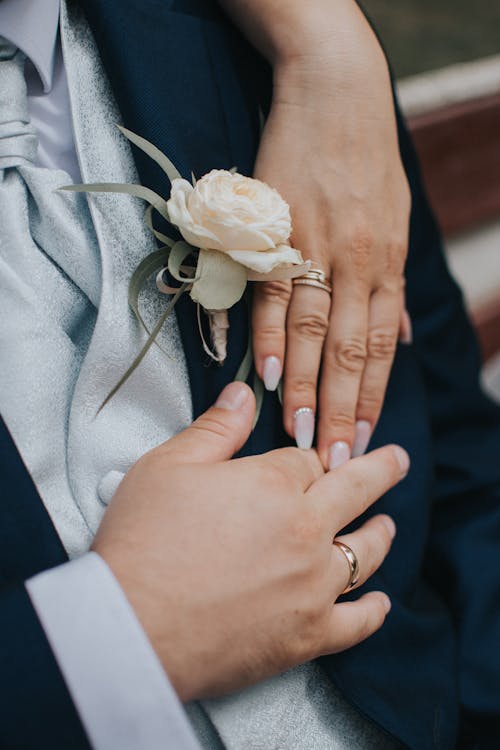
178 254
147 346
154 153
138 191
152 263
220 281
148 218
246 363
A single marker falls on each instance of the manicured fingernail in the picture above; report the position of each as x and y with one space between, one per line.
339 454
233 396
362 437
387 603
303 427
271 373
390 525
403 459
406 329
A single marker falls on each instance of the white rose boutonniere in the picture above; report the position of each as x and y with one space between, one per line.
237 215
235 229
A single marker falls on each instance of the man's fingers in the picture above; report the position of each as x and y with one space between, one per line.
370 543
300 466
353 622
307 326
269 310
348 491
384 318
343 364
220 432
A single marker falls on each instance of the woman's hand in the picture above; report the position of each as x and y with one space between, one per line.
330 147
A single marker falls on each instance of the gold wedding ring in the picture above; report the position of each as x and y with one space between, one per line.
314 277
353 564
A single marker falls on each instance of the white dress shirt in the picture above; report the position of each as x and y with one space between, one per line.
119 688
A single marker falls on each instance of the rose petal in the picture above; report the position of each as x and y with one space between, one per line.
220 282
264 262
180 216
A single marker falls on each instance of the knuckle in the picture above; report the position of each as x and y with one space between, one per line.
350 354
370 399
395 256
312 325
361 250
303 390
381 344
275 292
309 461
269 333
340 420
211 424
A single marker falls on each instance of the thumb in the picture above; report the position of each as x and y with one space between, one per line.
220 432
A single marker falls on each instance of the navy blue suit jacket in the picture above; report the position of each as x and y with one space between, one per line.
185 79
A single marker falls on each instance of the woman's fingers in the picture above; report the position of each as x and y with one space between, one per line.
344 361
405 328
353 622
269 311
307 326
370 543
383 329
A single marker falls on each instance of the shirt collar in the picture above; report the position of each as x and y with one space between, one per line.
32 26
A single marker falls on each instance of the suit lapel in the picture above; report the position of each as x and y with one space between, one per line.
28 540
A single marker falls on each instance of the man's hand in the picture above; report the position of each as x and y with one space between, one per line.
230 565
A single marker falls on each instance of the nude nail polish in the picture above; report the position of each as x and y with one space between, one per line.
303 427
406 336
271 373
338 455
362 437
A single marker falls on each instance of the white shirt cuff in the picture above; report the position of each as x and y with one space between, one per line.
115 679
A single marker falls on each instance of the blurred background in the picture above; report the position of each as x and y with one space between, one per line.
446 57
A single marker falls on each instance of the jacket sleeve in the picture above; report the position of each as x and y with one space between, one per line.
463 560
36 710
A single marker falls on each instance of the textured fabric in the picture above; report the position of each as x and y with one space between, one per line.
33 29
299 709
116 681
60 262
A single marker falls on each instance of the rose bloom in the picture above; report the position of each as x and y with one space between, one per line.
237 215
